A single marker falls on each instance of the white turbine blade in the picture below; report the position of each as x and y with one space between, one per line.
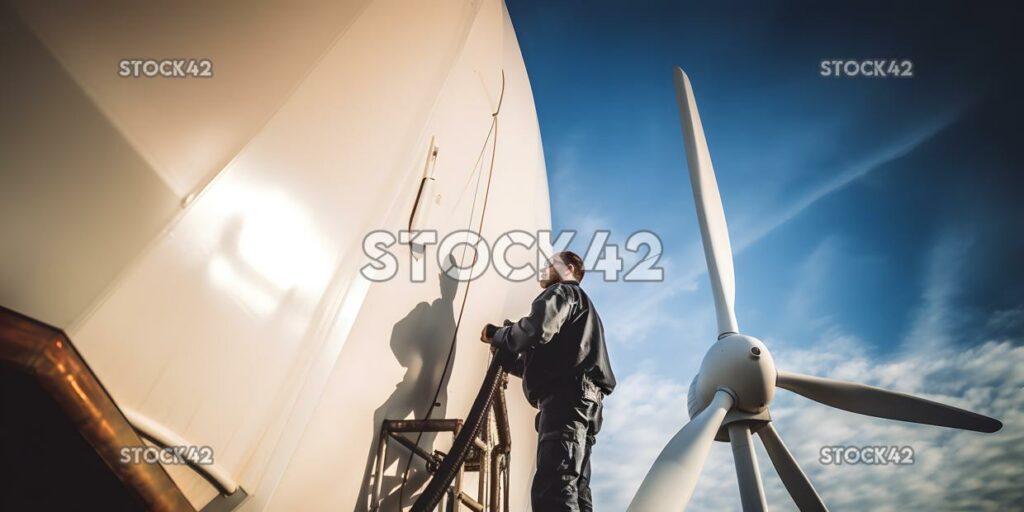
671 480
710 214
749 477
872 401
796 482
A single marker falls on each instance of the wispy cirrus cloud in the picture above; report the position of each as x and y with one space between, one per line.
639 310
935 317
838 179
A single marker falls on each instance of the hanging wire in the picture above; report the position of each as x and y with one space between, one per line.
462 308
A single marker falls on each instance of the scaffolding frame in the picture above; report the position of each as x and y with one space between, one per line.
489 456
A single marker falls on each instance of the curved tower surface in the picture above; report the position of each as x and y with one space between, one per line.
200 239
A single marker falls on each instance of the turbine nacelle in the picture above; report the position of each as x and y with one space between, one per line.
741 365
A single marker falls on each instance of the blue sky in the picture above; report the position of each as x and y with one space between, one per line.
873 219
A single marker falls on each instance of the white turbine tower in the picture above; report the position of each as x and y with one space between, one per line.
729 398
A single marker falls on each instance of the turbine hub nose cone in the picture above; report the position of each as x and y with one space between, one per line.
741 364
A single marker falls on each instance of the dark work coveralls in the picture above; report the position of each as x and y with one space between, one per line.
564 365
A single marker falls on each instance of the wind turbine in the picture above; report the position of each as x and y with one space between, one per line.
729 397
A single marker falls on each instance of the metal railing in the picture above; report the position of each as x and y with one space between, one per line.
488 455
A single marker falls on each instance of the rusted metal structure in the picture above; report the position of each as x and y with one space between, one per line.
47 356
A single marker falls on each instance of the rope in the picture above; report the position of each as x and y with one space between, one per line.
465 296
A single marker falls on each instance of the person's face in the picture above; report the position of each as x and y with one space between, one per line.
552 272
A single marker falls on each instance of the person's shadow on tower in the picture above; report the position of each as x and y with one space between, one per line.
420 342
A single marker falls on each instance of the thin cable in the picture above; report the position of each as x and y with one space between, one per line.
465 296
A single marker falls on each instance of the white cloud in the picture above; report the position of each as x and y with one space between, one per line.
934 318
813 275
640 417
954 470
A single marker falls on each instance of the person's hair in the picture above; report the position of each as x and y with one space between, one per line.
571 258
